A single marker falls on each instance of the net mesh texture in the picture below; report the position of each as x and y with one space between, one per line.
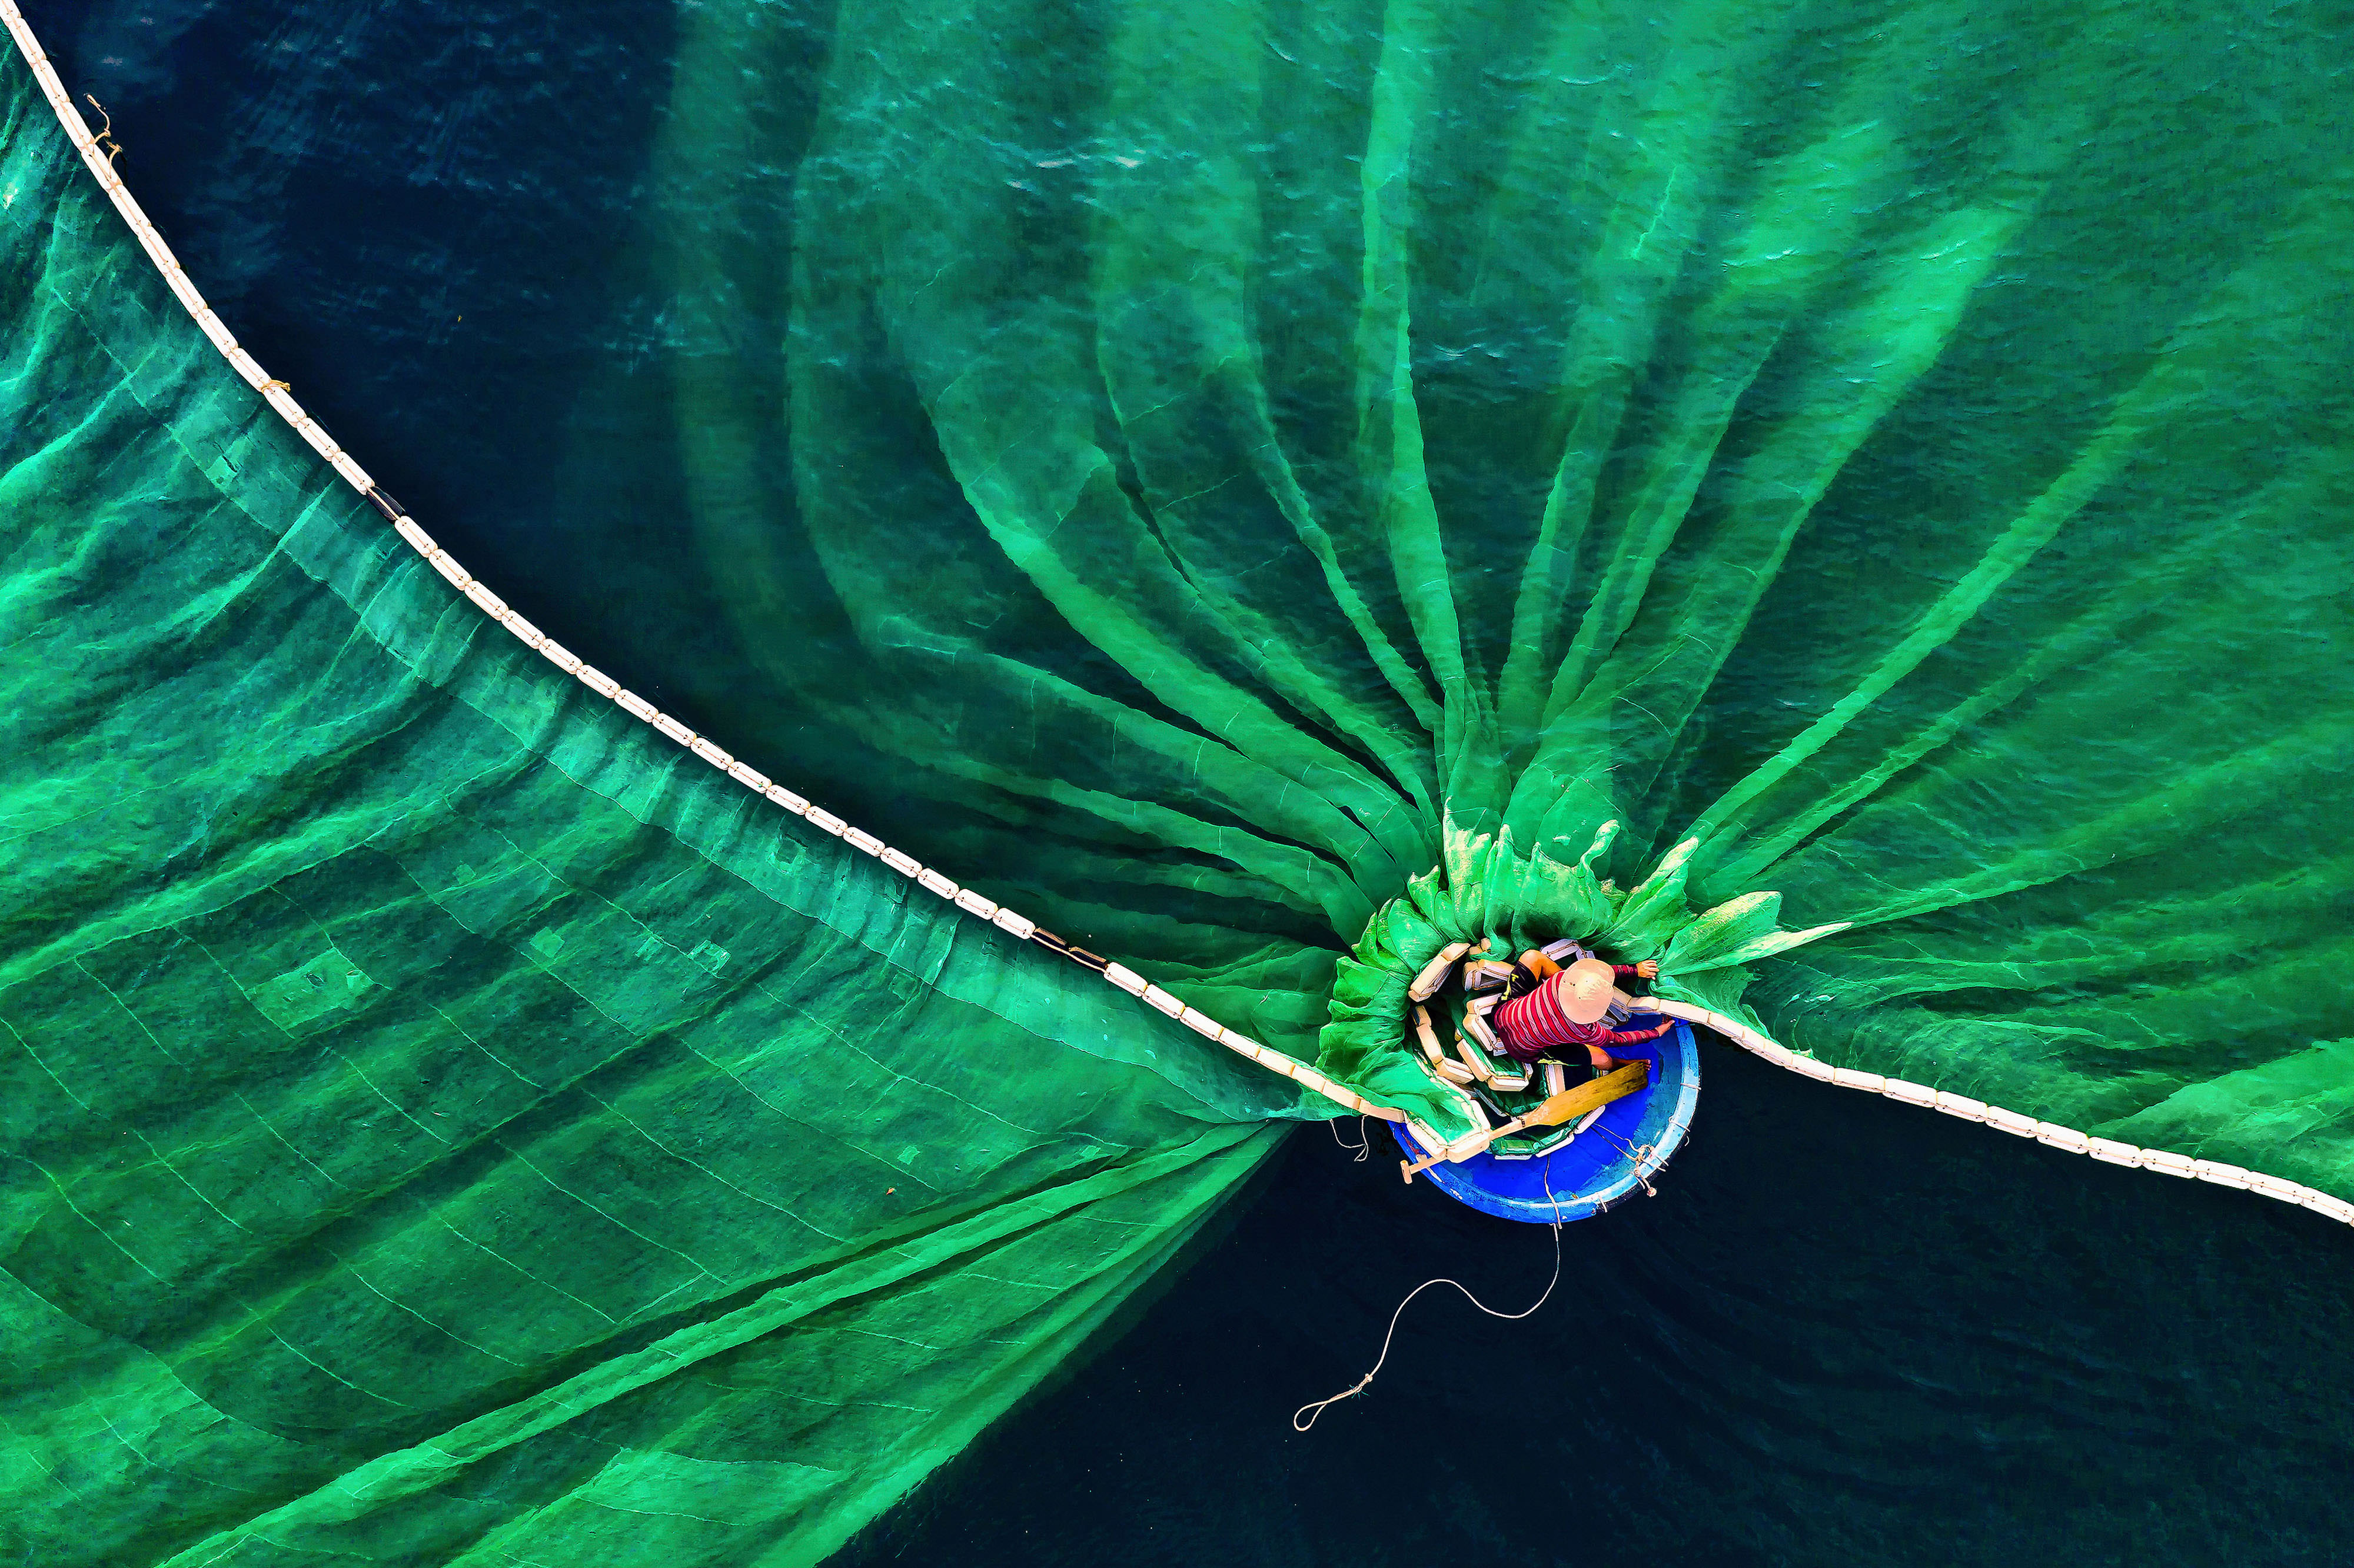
1188 476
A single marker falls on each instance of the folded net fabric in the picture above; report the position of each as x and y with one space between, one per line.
1901 449
1189 473
447 1123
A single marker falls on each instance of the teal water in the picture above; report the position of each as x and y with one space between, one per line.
1845 1332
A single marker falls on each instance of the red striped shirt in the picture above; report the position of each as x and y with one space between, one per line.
1532 1024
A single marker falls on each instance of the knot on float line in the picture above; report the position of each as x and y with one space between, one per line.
105 131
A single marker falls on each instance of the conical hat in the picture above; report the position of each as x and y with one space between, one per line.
1584 989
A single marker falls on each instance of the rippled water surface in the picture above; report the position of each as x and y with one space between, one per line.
1845 1331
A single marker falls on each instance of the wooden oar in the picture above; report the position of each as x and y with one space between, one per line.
1567 1106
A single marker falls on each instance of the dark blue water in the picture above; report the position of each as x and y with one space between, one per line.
1845 1332
422 218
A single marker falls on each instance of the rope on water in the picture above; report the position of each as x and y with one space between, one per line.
1317 1406
1364 1146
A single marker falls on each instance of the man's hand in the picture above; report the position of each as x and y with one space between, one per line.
1649 969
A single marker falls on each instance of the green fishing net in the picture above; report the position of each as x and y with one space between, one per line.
1261 489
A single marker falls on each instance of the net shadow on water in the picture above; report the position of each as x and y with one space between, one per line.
1846 1331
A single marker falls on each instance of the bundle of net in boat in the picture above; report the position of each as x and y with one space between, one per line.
1187 473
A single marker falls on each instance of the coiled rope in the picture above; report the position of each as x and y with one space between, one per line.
1637 1155
98 152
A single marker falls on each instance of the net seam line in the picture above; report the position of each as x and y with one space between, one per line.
276 393
278 396
2051 1135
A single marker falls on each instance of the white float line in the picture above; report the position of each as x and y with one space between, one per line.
275 392
2051 1135
176 278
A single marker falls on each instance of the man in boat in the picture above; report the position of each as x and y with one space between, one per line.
1563 1011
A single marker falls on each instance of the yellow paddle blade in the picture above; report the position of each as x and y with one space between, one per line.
1579 1099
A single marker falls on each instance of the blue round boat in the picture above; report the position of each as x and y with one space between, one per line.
1615 1154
